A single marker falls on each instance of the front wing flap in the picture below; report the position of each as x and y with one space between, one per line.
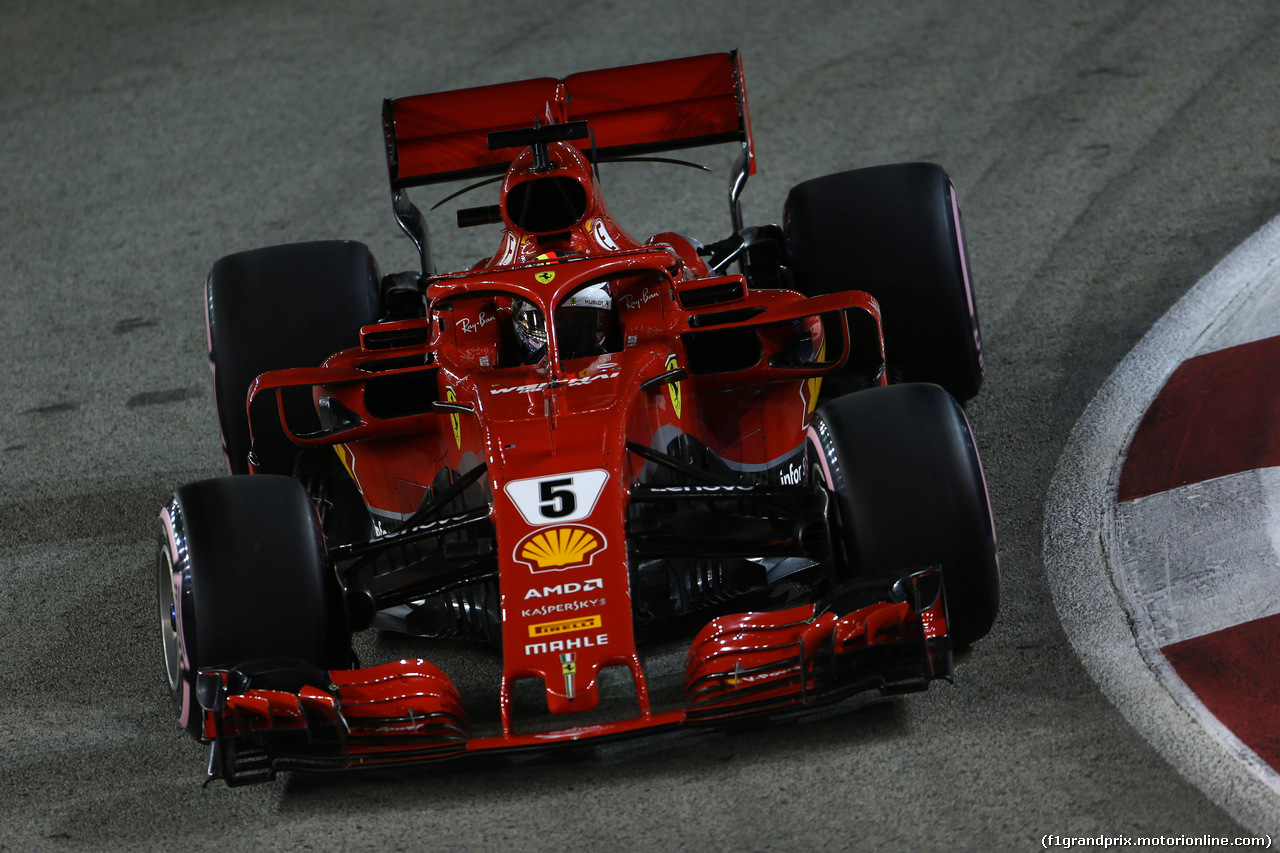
263 717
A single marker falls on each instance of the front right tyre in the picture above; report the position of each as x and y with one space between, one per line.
242 574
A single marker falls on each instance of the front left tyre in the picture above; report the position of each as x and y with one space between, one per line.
909 493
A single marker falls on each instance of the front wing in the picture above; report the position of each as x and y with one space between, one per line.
267 716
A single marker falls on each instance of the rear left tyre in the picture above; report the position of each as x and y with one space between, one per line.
895 232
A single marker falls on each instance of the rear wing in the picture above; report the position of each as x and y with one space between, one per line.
634 110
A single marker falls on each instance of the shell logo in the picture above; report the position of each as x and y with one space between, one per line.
557 548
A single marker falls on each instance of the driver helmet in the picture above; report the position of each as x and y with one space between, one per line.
595 297
582 323
531 326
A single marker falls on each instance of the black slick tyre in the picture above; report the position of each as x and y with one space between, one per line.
895 232
242 574
278 307
910 493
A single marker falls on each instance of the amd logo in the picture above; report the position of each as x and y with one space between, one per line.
571 588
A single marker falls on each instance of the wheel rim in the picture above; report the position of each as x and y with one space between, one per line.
168 616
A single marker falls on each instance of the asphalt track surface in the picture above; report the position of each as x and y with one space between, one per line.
1107 154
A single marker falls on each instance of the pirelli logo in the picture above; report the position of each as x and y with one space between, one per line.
564 626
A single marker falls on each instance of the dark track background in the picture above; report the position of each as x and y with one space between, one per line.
1106 154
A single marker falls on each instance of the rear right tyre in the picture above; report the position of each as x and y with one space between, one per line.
277 307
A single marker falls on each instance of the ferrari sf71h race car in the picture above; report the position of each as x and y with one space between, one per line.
580 449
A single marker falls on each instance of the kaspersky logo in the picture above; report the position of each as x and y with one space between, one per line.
556 548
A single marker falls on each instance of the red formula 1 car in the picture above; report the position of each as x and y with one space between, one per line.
580 451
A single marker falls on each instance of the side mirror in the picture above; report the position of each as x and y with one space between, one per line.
335 417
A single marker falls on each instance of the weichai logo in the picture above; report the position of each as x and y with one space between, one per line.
557 548
564 626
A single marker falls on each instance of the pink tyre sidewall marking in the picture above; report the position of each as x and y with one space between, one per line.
184 659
